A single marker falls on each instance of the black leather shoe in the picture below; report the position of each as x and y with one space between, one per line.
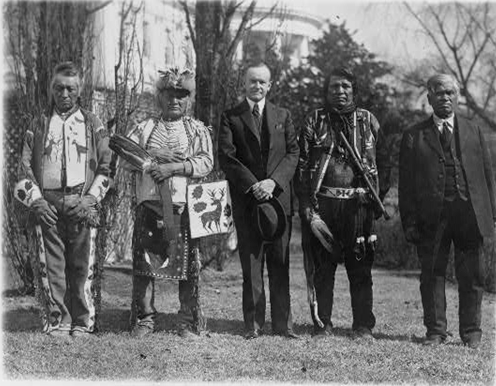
291 335
321 332
363 333
472 343
287 334
253 334
141 330
186 332
433 340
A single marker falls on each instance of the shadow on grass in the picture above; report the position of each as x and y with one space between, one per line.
349 333
307 329
22 320
116 320
397 337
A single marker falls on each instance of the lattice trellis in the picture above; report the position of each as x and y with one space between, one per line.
15 247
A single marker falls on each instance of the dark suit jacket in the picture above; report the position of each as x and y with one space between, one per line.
422 176
240 153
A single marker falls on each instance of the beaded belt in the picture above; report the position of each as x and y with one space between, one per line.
342 193
78 189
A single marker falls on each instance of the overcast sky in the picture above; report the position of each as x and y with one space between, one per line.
385 28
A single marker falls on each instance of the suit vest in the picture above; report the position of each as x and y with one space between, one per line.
455 181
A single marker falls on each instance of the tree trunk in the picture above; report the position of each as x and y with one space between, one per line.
206 34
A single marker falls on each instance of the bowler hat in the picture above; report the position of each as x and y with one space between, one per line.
268 218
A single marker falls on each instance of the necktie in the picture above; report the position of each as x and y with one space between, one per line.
445 135
256 115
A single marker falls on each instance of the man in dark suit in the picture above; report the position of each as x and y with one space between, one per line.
258 151
447 194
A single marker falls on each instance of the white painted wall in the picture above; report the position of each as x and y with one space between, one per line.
161 32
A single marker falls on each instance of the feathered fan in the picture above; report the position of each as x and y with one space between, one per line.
130 151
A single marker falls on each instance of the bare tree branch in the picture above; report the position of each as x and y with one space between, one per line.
462 51
98 7
229 12
124 14
191 30
482 26
138 84
479 111
247 15
466 29
420 83
265 16
451 45
238 4
430 34
476 56
458 23
491 92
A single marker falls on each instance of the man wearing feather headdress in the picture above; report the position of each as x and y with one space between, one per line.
63 175
181 150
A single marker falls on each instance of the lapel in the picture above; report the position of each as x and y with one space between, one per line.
272 121
271 116
431 136
247 119
463 133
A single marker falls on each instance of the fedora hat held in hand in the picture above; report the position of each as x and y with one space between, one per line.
268 218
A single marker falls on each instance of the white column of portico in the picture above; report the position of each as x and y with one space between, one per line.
286 31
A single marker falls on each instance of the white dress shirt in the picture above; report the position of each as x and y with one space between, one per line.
261 105
439 122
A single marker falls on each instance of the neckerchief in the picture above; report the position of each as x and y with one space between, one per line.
342 120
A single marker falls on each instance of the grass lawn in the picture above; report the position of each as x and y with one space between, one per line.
395 357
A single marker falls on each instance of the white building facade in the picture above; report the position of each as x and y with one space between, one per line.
158 30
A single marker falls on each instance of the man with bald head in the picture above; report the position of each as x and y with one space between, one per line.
258 152
447 195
